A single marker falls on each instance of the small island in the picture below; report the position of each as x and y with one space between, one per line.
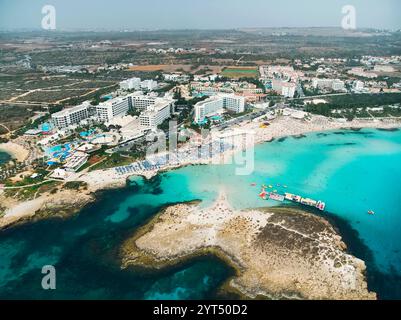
277 253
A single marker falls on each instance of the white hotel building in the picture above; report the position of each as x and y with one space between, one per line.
71 116
288 89
130 84
156 113
216 104
141 102
149 85
117 107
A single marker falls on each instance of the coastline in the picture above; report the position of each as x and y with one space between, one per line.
16 151
250 242
279 128
63 203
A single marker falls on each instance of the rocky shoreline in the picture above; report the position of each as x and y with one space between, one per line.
278 253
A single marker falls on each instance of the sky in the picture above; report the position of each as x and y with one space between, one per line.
197 14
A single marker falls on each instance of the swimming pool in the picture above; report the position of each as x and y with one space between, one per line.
85 134
216 118
58 153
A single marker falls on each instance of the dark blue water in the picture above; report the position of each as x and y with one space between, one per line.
85 252
4 157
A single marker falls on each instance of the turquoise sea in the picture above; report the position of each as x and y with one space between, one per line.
352 171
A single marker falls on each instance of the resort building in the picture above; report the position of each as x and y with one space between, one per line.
288 89
358 86
322 83
149 85
76 161
338 85
71 116
176 77
141 102
131 84
217 104
155 114
328 84
117 107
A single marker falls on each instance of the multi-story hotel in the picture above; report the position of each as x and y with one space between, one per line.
117 107
149 84
130 84
217 104
141 102
155 114
71 116
288 89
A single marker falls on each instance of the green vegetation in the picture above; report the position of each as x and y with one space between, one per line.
113 160
30 193
76 185
240 72
349 104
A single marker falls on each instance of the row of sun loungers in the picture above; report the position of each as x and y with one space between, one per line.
183 156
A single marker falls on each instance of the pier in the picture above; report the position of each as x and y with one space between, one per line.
294 198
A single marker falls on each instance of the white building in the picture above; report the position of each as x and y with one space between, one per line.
71 116
358 85
288 89
216 104
277 85
149 85
76 161
117 107
130 84
177 77
234 103
338 85
322 83
156 113
141 102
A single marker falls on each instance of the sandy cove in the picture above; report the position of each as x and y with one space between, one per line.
16 151
277 253
282 126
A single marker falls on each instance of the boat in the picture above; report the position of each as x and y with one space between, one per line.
276 196
253 184
321 205
295 198
263 194
309 202
371 212
270 186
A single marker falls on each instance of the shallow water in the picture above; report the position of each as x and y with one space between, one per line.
352 171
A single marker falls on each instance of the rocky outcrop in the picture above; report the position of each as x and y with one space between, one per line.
278 253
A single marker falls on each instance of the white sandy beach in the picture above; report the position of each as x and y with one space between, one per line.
280 127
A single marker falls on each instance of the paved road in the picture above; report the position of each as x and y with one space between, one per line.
26 186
